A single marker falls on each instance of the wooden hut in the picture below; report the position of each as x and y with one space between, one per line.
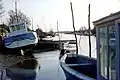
108 47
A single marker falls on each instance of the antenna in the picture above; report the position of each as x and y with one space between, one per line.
74 28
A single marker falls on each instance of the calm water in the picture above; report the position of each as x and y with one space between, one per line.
83 43
50 68
49 62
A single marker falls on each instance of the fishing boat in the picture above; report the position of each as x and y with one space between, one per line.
20 38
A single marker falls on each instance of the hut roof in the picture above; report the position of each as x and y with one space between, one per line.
111 17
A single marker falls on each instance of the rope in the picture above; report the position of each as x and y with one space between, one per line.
94 50
79 42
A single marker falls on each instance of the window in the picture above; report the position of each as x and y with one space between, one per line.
103 51
112 56
18 27
22 26
107 39
13 28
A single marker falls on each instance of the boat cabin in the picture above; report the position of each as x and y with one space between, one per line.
108 47
18 28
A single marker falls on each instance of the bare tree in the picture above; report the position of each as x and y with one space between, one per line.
3 27
21 17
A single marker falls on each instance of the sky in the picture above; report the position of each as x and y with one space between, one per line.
46 13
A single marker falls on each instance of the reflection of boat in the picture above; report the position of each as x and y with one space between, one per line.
25 70
20 37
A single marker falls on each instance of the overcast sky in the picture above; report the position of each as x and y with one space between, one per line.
45 13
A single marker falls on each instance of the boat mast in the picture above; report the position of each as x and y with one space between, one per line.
74 28
44 24
89 31
32 24
15 1
59 37
58 31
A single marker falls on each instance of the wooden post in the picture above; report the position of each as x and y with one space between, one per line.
89 32
74 28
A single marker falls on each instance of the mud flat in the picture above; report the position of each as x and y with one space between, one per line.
8 60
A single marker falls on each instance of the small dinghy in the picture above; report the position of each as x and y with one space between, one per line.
78 67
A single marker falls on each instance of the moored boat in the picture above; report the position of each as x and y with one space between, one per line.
77 67
20 38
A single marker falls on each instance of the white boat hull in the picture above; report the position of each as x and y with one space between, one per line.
21 40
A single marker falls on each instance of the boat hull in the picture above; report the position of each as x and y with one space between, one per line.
78 67
69 76
21 41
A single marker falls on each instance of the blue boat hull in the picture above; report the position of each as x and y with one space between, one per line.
78 67
21 40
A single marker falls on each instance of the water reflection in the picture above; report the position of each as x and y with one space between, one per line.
24 70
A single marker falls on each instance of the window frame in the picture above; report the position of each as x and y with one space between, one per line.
117 29
117 33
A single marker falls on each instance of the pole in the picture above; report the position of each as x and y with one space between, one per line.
58 31
15 1
74 28
59 36
89 32
16 10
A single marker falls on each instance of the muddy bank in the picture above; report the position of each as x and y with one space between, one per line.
8 60
40 47
43 46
